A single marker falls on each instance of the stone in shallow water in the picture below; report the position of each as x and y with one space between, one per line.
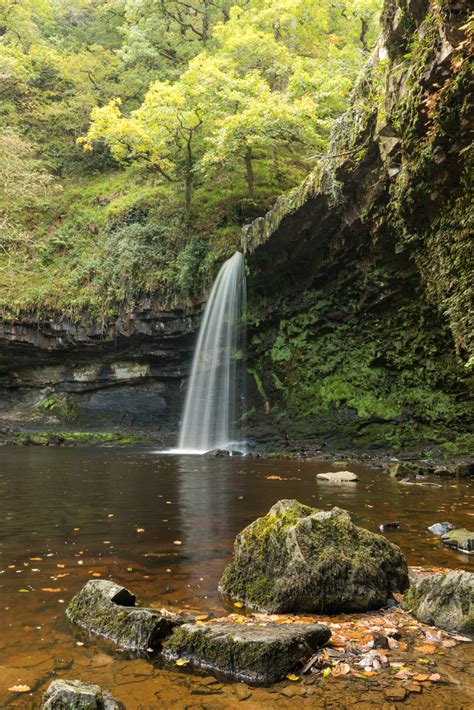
76 695
441 528
338 477
297 558
108 610
444 600
256 654
460 539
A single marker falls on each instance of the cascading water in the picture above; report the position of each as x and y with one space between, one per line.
215 387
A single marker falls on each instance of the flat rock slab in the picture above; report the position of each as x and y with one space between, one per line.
255 654
108 610
338 477
76 695
444 600
460 539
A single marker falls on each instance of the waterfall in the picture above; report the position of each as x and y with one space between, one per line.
215 387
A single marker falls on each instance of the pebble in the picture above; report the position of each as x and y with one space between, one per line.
398 694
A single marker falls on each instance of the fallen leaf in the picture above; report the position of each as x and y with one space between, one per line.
53 590
140 530
61 566
341 669
19 689
239 605
326 672
177 542
420 677
435 677
24 591
293 677
426 648
182 662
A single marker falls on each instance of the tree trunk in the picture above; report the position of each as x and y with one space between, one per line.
250 175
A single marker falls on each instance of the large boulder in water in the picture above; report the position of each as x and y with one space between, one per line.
298 558
444 600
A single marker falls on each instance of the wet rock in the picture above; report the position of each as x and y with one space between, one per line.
460 539
76 695
108 610
255 654
397 694
441 528
404 469
338 477
217 453
444 600
386 527
459 470
298 558
380 641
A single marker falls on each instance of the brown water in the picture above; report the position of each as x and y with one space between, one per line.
120 514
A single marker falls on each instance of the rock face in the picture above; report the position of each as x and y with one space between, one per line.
297 558
460 539
257 654
444 600
360 277
76 695
338 477
108 610
127 373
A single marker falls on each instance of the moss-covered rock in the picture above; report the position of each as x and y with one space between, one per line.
254 653
460 539
76 695
108 610
444 600
298 558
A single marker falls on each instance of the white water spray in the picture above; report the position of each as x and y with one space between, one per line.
215 387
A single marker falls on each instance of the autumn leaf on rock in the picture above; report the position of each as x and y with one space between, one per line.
19 689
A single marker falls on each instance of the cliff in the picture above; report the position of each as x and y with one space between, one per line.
361 278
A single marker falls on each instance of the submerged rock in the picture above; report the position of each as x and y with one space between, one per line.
444 600
217 453
298 558
76 695
257 654
108 610
441 528
387 527
460 539
338 477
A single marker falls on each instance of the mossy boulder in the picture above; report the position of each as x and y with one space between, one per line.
259 654
76 695
108 610
444 600
460 539
298 558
